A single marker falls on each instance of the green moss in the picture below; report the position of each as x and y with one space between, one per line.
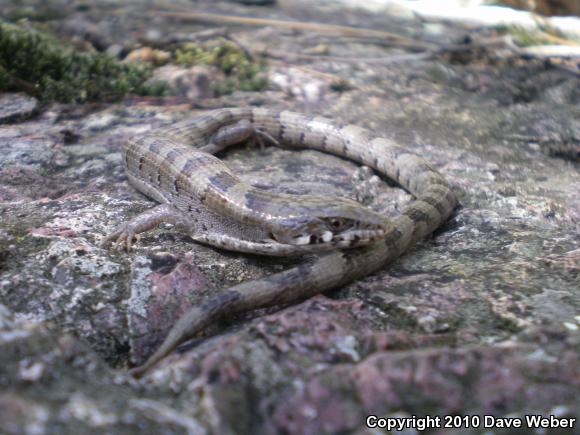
41 65
40 13
242 72
192 54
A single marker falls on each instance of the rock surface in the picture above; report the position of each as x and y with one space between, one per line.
482 318
16 107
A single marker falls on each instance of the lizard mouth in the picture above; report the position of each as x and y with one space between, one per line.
348 238
328 233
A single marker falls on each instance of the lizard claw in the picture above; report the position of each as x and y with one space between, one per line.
121 239
262 136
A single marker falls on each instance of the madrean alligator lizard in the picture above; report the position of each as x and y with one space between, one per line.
201 195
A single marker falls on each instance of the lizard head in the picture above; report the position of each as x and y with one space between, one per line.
337 222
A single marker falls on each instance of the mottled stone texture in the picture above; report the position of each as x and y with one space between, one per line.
484 317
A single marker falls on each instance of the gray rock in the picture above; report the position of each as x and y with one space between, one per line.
484 317
15 107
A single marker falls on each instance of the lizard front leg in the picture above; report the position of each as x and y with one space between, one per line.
125 234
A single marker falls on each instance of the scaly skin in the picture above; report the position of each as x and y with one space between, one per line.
197 187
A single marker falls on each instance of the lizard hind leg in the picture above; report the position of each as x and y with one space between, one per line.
124 235
238 133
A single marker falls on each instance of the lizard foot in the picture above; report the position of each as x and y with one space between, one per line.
122 238
261 136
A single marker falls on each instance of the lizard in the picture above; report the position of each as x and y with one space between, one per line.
200 195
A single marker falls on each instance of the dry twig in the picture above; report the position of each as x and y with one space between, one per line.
295 25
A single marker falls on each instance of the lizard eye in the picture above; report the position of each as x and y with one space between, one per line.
337 224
